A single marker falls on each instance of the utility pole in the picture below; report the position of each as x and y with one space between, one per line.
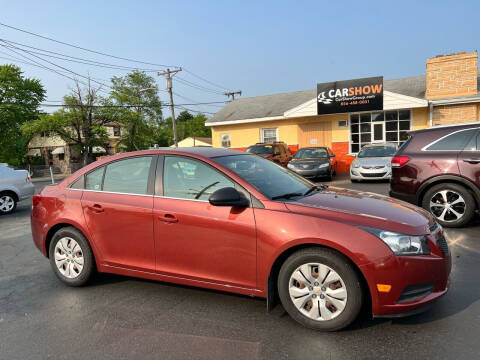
233 93
168 76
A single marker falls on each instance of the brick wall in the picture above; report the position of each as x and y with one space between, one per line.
452 75
454 114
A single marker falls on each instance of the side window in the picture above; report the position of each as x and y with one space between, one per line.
79 183
186 178
93 180
455 141
128 176
473 144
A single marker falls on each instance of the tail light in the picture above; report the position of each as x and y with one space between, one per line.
398 161
28 179
35 200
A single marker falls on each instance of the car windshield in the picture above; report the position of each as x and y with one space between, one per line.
311 153
377 151
270 179
260 149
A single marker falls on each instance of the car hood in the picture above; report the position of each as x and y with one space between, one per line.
373 161
364 209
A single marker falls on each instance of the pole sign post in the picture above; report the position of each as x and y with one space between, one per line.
350 96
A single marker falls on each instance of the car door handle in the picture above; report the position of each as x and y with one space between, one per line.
472 161
96 208
169 218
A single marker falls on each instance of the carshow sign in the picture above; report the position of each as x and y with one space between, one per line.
350 96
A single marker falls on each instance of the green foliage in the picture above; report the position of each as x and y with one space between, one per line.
19 102
142 118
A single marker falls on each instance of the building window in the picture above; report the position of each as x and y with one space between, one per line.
61 157
269 135
377 127
225 140
116 131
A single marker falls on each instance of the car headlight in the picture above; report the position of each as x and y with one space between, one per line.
355 165
290 166
324 165
402 244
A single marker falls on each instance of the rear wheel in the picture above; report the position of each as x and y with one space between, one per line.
320 289
451 204
71 257
8 203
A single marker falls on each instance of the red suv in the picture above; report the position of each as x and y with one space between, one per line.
277 152
439 169
232 221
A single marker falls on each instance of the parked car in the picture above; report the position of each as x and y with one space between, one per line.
314 162
373 162
439 169
277 152
232 221
15 185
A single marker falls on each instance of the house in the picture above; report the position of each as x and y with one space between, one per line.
346 115
194 141
58 153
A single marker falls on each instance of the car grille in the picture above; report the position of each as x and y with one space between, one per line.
415 292
442 245
373 167
305 167
373 175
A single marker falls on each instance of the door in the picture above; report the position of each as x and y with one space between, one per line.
118 208
378 132
469 158
196 240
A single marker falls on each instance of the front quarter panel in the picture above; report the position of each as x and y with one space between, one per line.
278 231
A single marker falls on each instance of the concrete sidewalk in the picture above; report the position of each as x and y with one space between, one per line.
57 178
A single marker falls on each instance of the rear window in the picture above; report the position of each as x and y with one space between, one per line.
455 141
260 149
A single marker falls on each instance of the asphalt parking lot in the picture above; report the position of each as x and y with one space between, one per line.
118 317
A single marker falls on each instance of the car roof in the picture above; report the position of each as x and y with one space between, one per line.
379 145
314 147
205 151
446 128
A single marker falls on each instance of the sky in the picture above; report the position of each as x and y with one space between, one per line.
258 47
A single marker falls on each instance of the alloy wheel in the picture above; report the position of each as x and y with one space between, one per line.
7 203
447 205
317 291
69 257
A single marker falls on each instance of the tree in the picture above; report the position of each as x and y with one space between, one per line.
19 103
79 123
141 115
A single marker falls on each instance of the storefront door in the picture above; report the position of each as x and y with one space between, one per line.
378 132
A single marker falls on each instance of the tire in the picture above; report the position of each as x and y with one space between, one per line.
338 265
8 203
66 272
448 217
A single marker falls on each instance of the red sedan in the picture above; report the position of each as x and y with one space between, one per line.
232 221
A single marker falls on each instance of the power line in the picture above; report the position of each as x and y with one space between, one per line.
80 60
199 87
101 106
84 49
207 81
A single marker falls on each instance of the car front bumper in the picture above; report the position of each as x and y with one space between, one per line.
370 174
312 173
403 273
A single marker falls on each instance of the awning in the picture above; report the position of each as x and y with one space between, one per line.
34 152
58 150
98 150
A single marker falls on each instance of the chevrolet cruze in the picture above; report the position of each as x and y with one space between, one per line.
235 222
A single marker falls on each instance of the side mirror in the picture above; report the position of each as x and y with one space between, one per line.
332 156
228 196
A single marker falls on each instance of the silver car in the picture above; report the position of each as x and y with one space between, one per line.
373 162
15 185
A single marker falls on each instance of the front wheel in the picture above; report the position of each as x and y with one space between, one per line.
71 257
451 204
320 289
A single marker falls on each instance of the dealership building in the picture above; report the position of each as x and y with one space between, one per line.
346 115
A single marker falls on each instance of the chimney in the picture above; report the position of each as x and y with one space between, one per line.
452 75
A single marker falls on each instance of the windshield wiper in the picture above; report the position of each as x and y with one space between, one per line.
286 196
315 187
